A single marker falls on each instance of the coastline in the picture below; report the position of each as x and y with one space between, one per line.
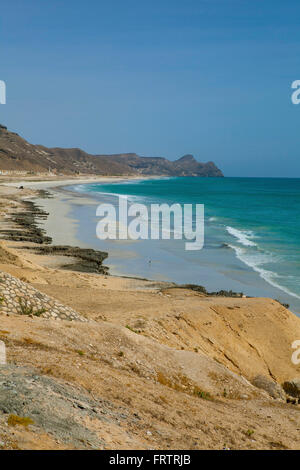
60 206
147 364
128 259
149 230
70 212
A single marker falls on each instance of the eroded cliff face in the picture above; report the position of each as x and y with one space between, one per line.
16 154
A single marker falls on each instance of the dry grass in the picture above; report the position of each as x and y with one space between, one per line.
181 383
14 420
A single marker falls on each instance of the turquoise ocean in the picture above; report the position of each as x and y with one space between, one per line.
252 234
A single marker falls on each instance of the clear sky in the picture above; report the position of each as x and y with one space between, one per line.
156 77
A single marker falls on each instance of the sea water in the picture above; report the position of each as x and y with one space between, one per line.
252 234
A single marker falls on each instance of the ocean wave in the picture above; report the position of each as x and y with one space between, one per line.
77 187
96 193
255 261
129 197
242 236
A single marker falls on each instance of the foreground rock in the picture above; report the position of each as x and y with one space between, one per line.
271 387
41 404
292 387
150 396
26 223
85 260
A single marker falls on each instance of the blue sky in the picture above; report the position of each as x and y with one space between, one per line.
160 78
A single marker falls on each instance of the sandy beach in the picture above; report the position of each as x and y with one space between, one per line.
59 207
164 367
222 264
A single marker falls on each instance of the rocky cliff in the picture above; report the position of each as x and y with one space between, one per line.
16 154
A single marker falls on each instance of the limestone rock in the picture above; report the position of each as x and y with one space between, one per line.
271 387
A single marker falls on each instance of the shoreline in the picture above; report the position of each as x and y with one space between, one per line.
251 283
60 210
66 199
58 207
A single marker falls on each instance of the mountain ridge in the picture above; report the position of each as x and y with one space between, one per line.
16 154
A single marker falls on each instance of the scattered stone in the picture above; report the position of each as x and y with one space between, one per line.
202 290
244 397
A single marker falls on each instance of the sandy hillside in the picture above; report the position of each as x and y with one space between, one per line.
154 367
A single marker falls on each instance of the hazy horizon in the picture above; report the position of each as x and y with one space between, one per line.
162 79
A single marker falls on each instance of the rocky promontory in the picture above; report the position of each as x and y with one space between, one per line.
17 155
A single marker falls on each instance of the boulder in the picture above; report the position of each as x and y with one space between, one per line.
271 387
292 387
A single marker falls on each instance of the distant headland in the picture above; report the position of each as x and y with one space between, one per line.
18 155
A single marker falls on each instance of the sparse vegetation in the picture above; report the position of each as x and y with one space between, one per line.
133 330
201 394
27 309
39 312
14 420
181 383
80 352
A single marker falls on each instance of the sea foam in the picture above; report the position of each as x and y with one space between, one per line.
241 235
255 261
